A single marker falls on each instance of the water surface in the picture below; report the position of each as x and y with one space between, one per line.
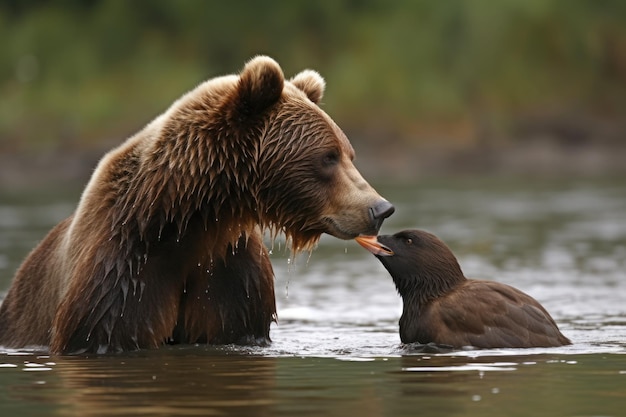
336 347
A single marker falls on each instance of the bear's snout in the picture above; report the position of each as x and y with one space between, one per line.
379 212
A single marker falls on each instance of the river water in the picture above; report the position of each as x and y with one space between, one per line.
336 348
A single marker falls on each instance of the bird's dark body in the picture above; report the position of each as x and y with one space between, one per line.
442 306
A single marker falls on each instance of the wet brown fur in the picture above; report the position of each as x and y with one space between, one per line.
166 243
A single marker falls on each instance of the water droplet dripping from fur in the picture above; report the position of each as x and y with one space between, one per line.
142 286
134 281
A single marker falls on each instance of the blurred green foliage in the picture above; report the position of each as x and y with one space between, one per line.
76 73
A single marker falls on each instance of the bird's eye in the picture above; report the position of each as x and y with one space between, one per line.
409 241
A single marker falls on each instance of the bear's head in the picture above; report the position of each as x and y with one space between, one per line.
307 182
258 150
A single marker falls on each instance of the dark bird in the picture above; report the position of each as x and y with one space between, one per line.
442 306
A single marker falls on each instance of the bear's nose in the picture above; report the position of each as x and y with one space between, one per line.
380 212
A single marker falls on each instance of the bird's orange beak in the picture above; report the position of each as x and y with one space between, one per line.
372 244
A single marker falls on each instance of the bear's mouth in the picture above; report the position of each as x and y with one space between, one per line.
334 229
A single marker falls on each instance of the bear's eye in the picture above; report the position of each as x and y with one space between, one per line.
330 158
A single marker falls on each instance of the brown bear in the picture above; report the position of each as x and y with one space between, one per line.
166 243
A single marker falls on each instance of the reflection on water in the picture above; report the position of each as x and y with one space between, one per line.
208 381
336 347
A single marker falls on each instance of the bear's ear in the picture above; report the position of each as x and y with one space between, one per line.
311 83
261 83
